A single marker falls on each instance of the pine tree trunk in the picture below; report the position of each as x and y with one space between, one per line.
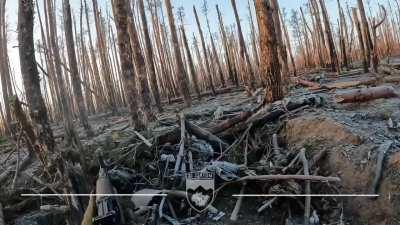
75 78
100 100
125 53
219 67
30 74
140 67
4 70
270 67
105 64
70 134
190 61
343 35
360 40
206 57
331 45
289 47
281 45
242 48
322 43
365 31
232 74
150 57
183 81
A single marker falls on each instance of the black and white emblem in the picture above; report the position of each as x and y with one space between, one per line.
200 190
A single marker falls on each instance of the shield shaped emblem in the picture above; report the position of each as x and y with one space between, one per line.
200 190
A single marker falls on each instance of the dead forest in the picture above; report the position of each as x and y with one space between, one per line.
296 113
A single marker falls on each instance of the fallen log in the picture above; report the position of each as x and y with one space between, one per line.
347 84
228 123
273 113
307 83
205 135
240 122
391 79
389 69
366 94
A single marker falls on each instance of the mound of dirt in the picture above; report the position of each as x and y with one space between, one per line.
352 157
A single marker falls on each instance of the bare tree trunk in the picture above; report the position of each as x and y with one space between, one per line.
365 28
316 13
4 69
360 40
140 67
343 35
203 45
307 60
150 57
243 52
183 81
105 64
231 68
85 65
76 80
100 100
30 74
71 137
331 44
190 61
270 67
281 45
120 9
288 44
214 51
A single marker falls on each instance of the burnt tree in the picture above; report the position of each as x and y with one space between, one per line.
270 67
73 66
30 74
183 81
120 10
150 57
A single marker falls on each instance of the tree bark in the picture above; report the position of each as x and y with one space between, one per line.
366 94
366 32
361 43
140 67
242 48
183 82
270 67
331 44
105 64
30 74
190 61
232 74
150 57
76 84
289 47
121 22
203 45
281 45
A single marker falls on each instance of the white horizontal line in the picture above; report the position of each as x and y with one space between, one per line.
305 195
88 195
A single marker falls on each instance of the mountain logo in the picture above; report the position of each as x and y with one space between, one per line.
200 190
